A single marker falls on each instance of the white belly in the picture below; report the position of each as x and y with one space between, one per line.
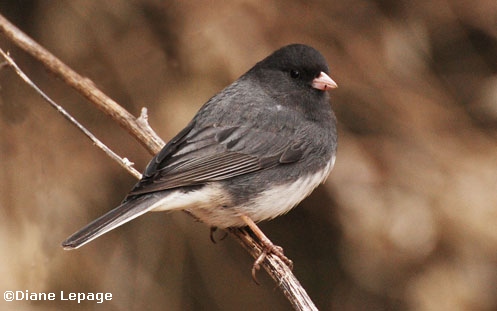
211 204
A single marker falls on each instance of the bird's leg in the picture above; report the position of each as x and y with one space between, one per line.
268 247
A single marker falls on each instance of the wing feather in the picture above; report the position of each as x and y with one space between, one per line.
216 153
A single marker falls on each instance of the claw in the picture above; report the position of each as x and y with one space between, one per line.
211 234
267 248
257 265
278 251
213 239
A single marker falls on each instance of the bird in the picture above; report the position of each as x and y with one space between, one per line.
251 153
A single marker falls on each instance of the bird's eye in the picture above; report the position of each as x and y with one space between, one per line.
294 73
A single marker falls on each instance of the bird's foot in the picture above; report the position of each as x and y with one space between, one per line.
267 248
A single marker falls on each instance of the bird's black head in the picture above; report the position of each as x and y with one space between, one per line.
295 66
295 76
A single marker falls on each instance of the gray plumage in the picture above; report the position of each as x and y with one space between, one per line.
257 148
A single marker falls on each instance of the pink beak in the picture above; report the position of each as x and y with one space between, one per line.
323 82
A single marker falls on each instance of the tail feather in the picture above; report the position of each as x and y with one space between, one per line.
120 215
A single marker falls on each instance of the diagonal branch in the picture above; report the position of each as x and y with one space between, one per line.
84 86
138 127
124 162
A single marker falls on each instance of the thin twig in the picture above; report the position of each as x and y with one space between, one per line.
124 162
149 139
139 128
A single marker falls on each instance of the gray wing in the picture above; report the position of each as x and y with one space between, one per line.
213 147
213 153
194 157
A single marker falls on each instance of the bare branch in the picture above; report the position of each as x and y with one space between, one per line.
124 162
84 86
278 270
140 129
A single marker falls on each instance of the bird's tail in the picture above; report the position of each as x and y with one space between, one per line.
120 215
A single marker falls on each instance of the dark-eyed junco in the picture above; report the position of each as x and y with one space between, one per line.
251 153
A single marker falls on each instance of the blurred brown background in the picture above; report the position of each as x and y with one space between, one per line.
406 221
